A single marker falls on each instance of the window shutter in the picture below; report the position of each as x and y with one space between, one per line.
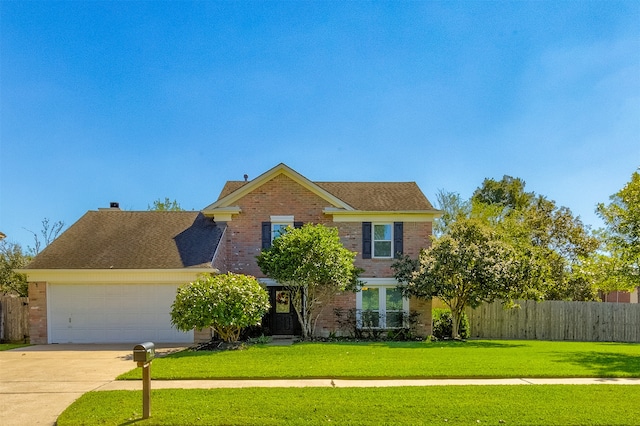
366 240
297 225
397 239
266 235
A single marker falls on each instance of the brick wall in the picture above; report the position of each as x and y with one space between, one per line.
280 196
38 313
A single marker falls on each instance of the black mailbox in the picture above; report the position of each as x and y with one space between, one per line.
144 352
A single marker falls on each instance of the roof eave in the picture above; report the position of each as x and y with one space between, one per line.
115 276
398 216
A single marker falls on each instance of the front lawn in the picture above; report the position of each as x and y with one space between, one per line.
471 359
510 405
9 346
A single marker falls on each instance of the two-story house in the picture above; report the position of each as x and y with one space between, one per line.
112 276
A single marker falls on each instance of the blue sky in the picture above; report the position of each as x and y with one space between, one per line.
138 101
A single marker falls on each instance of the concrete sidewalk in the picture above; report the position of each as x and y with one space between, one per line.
342 383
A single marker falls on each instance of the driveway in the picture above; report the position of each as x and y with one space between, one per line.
38 383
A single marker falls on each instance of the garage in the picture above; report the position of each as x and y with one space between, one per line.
112 313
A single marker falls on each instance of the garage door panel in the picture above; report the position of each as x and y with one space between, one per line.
112 313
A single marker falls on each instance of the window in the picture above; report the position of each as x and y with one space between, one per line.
382 240
279 225
381 307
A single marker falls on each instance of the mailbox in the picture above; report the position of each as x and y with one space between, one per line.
144 352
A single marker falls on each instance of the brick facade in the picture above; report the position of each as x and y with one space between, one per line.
282 196
38 313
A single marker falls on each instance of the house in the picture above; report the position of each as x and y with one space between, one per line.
112 276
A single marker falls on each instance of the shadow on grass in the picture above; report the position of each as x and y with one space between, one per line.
604 364
425 346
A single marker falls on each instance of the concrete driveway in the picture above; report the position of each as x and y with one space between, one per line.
38 383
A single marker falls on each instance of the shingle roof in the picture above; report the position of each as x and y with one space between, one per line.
366 196
133 240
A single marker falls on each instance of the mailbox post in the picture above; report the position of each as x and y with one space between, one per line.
143 354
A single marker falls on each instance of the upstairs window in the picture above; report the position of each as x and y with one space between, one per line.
279 225
276 227
382 240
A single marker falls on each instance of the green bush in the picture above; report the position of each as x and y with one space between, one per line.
227 303
443 324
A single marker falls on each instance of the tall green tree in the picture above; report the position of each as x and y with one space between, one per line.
553 238
12 257
313 265
467 266
165 206
622 232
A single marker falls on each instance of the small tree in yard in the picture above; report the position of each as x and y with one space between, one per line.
468 265
227 303
313 265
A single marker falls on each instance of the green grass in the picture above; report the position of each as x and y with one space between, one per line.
478 359
513 405
8 346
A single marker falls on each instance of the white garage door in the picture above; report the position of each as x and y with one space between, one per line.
118 313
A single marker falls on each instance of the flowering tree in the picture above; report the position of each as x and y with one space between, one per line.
312 264
227 303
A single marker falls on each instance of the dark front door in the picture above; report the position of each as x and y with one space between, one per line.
282 317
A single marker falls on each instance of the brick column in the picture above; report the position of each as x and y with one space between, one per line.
38 313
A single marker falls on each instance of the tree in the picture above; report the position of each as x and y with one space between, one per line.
622 232
313 265
12 258
226 303
49 232
165 206
469 265
550 235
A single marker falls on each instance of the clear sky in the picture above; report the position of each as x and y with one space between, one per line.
137 101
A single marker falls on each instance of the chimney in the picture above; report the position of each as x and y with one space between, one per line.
114 205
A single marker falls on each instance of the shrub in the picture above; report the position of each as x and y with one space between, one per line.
226 303
443 323
347 320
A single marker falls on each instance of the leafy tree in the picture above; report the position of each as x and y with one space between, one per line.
555 240
313 265
49 232
12 258
165 206
452 207
622 233
227 303
468 265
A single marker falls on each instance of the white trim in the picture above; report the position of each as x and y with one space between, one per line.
48 316
382 216
222 214
112 276
282 219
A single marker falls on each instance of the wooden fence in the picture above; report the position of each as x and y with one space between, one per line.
557 320
14 319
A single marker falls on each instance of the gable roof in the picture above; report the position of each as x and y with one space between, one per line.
134 240
230 197
362 196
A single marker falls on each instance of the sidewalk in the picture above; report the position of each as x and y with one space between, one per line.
342 383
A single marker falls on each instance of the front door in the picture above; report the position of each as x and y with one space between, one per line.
282 318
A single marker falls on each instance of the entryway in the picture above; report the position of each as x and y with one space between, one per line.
281 318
